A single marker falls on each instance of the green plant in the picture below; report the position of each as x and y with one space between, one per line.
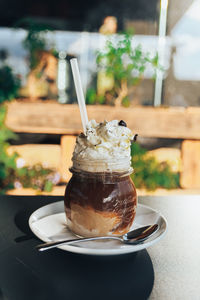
93 98
9 84
125 64
35 41
150 174
36 177
7 163
10 175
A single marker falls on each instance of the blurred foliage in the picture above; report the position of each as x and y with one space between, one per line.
150 174
93 98
125 64
34 43
126 101
9 84
112 60
35 177
10 176
35 40
7 163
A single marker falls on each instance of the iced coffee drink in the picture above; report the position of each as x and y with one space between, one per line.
100 198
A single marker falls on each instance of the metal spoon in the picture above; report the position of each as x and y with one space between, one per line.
133 237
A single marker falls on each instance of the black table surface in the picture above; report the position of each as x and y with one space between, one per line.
176 258
26 274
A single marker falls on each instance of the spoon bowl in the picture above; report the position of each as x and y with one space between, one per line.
140 234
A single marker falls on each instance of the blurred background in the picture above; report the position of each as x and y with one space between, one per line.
139 61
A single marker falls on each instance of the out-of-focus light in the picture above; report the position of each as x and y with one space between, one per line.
62 77
161 51
17 185
62 54
193 11
20 162
163 4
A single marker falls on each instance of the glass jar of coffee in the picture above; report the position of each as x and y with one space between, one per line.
100 203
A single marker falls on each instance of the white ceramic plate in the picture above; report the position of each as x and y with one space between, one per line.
48 223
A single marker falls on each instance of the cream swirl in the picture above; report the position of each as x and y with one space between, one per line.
103 142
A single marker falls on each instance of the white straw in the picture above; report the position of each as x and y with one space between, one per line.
79 92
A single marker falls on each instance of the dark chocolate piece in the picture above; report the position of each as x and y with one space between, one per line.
122 123
135 137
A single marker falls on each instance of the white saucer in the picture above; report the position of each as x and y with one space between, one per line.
48 223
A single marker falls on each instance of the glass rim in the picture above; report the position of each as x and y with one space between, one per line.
102 174
103 161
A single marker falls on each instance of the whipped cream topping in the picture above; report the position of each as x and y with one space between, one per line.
104 147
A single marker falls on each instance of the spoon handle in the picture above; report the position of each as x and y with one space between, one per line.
51 245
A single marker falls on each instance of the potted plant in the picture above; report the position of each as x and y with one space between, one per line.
120 67
41 79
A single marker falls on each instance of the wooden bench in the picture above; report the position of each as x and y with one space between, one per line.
166 122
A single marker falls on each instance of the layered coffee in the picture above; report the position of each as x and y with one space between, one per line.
100 198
